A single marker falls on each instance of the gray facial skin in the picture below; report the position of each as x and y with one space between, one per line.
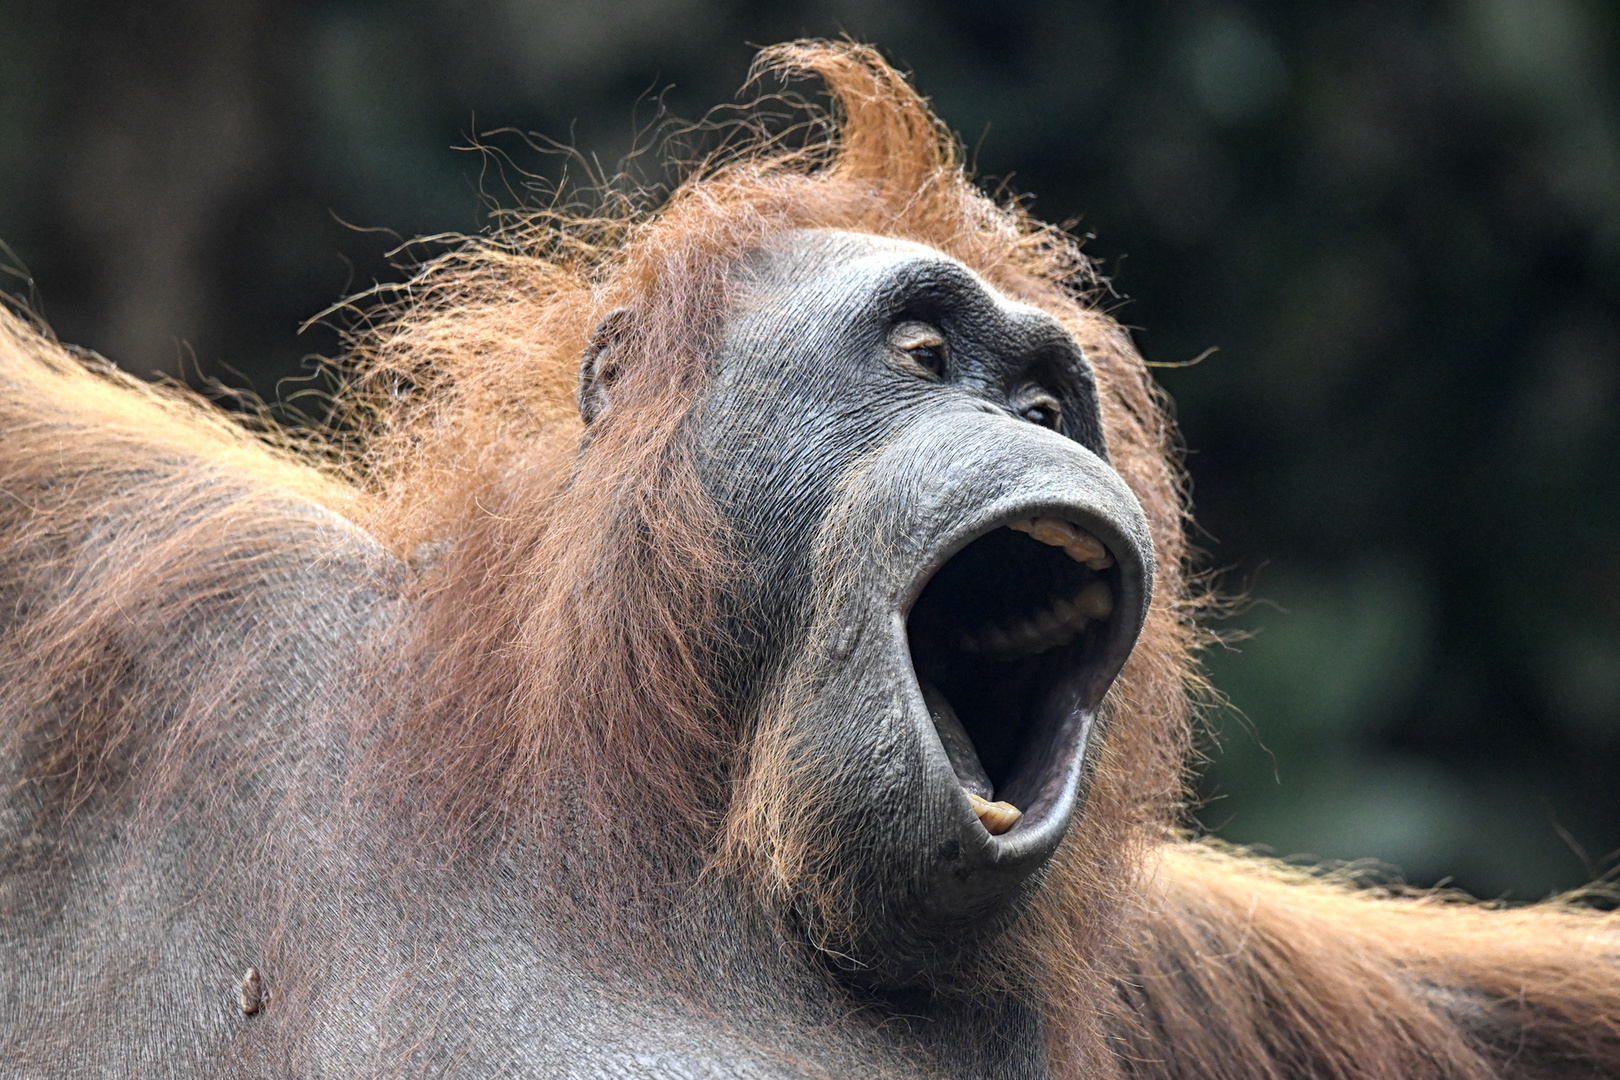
875 417
863 472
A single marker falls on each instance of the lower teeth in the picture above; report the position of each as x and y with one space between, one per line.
996 817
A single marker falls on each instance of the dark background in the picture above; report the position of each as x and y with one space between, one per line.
1398 222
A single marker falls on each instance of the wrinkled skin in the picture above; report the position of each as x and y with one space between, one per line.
853 464
860 462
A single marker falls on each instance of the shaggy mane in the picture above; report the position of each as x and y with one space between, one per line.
465 398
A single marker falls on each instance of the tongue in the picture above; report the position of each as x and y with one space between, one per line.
958 747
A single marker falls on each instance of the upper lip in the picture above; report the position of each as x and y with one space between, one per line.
941 486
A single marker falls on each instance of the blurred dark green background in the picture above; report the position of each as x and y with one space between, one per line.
1398 222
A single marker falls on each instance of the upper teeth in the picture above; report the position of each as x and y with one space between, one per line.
1046 629
1059 624
1095 601
1081 546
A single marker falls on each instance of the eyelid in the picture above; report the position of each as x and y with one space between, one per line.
916 334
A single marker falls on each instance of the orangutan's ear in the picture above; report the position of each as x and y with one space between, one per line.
599 367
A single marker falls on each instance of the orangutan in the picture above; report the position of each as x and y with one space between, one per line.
796 686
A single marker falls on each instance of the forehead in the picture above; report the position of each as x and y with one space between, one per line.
860 269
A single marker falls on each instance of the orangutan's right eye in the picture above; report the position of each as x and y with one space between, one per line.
921 346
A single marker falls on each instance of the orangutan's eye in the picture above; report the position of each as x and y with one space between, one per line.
921 346
1044 411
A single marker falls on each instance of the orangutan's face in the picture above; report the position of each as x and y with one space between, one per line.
942 578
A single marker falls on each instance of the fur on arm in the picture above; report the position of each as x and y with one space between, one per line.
1239 967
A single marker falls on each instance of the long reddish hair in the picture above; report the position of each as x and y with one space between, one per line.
567 635
557 662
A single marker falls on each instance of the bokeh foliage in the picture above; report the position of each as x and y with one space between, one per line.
1398 223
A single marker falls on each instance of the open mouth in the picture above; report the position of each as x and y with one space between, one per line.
1008 641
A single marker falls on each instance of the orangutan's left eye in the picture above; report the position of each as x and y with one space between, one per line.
922 346
1045 412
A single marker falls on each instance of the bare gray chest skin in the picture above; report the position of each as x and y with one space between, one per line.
124 945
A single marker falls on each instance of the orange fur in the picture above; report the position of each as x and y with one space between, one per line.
123 506
1240 967
456 448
